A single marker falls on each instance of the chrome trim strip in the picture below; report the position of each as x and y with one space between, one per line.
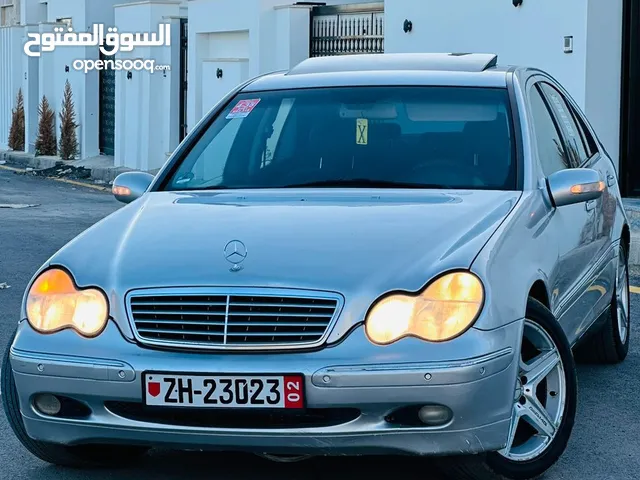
234 291
403 367
226 320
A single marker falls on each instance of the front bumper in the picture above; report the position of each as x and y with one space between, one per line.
474 376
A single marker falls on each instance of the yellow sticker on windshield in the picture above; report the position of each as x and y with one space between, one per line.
362 131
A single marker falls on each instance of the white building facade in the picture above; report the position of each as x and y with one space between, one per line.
139 118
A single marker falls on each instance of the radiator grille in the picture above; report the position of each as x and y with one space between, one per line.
232 320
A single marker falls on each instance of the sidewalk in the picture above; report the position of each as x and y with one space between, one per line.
99 170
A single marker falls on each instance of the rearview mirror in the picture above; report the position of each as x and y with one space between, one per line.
575 185
130 186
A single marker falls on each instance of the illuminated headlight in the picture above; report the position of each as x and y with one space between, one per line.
54 303
443 311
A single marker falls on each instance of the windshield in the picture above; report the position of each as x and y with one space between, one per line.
387 137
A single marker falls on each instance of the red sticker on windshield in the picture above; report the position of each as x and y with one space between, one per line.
243 108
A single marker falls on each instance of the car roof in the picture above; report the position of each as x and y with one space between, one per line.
455 69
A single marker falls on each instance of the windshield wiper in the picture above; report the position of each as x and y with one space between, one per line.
362 183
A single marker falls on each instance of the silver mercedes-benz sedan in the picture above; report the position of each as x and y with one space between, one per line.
376 254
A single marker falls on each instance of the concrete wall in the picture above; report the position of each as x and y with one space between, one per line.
224 34
10 12
604 70
11 53
531 34
147 104
243 38
53 67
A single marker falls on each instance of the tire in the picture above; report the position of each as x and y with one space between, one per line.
497 466
607 345
81 456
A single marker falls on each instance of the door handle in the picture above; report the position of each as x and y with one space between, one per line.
611 179
591 204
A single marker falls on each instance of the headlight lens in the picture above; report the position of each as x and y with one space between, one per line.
54 303
446 309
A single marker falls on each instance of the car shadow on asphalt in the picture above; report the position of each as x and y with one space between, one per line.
166 465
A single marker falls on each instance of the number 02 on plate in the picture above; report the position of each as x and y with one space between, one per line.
224 391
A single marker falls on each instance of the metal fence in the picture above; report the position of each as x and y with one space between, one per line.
347 29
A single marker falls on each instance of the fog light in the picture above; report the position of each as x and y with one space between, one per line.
434 415
48 404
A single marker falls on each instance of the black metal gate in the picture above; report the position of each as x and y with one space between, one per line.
107 120
629 169
184 35
347 29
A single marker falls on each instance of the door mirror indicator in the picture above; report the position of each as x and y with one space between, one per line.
130 186
575 185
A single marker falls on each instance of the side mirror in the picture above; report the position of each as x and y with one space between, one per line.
575 185
130 186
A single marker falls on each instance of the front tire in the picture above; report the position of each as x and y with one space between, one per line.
544 407
81 456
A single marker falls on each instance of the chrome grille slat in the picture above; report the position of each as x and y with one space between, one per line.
247 319
276 314
178 332
179 322
235 314
181 304
281 305
163 321
180 314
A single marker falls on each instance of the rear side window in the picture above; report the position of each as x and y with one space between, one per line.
551 151
589 141
572 133
431 137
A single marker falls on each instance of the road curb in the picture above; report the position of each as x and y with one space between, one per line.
61 180
632 209
104 174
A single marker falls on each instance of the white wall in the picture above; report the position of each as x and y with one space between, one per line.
31 89
531 34
244 38
53 75
32 12
11 53
85 86
604 71
146 110
292 30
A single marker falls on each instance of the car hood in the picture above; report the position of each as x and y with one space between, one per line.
359 243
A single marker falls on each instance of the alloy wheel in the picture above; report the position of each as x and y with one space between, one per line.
539 397
622 298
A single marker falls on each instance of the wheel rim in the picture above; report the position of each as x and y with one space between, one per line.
622 298
539 397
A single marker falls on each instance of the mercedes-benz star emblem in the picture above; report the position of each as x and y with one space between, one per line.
235 252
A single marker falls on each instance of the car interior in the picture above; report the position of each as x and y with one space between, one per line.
438 146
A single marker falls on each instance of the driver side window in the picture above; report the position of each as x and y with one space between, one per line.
551 151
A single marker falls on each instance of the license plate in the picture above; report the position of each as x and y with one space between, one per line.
223 391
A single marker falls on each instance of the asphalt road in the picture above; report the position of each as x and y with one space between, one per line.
605 444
